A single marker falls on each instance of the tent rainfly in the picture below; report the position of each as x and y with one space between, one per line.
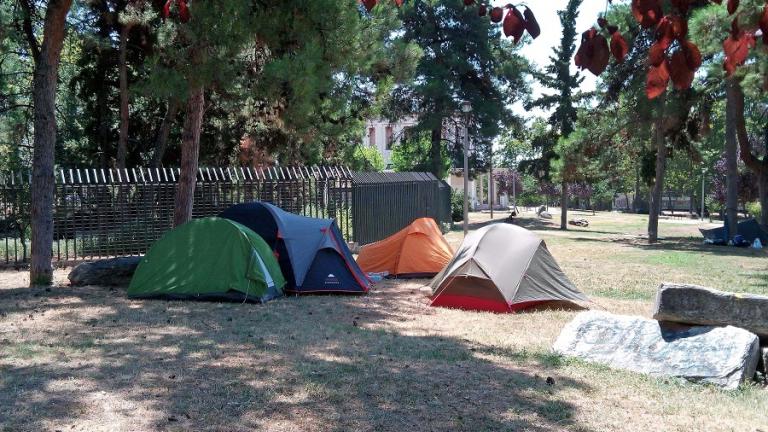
418 250
750 229
208 259
503 268
311 252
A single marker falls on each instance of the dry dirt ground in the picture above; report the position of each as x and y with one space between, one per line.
88 359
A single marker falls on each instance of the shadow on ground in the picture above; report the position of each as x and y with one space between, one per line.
89 359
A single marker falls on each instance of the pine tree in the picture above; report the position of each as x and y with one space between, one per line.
464 58
47 56
557 76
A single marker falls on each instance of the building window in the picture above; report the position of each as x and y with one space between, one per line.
390 137
372 137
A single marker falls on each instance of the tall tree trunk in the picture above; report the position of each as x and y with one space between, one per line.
190 149
754 163
435 152
636 198
731 159
564 206
161 140
661 168
43 157
122 142
762 186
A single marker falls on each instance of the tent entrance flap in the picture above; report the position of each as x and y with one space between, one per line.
471 293
302 244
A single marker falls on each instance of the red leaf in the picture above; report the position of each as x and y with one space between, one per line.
601 54
665 32
183 10
531 25
732 6
167 9
482 10
497 14
647 12
656 81
679 27
737 50
692 55
369 4
764 24
584 54
656 55
399 3
514 24
619 47
469 2
681 74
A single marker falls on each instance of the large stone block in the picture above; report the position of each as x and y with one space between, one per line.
724 356
691 304
109 272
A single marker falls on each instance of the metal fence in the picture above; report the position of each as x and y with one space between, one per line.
104 213
387 202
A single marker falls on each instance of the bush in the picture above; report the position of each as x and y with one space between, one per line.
754 209
457 206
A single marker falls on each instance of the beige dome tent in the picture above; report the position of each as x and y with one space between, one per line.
502 268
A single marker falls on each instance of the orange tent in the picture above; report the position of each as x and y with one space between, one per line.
419 250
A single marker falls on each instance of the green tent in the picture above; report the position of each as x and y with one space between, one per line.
210 259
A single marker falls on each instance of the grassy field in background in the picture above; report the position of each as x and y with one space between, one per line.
88 359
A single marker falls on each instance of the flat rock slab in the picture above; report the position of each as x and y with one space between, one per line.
724 356
109 272
691 304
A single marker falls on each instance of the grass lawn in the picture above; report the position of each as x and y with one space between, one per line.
88 359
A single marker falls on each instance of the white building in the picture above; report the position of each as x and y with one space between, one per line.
385 134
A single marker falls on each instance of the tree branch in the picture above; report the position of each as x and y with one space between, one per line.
29 32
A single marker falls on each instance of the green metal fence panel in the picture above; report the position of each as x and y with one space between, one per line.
385 203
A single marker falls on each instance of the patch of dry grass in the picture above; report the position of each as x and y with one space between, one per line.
88 359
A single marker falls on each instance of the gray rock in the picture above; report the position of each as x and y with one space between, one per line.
109 272
724 356
763 366
545 215
691 304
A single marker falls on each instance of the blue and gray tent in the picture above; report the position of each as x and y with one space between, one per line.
750 229
312 253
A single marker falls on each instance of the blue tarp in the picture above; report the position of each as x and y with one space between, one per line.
311 252
750 229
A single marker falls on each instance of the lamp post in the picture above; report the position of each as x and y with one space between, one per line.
703 173
514 192
491 184
466 109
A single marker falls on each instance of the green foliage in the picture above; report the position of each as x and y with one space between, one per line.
413 154
472 62
364 158
754 209
557 76
457 206
297 79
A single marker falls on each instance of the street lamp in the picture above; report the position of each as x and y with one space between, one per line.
703 174
466 109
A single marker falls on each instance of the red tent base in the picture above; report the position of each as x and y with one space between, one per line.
482 305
